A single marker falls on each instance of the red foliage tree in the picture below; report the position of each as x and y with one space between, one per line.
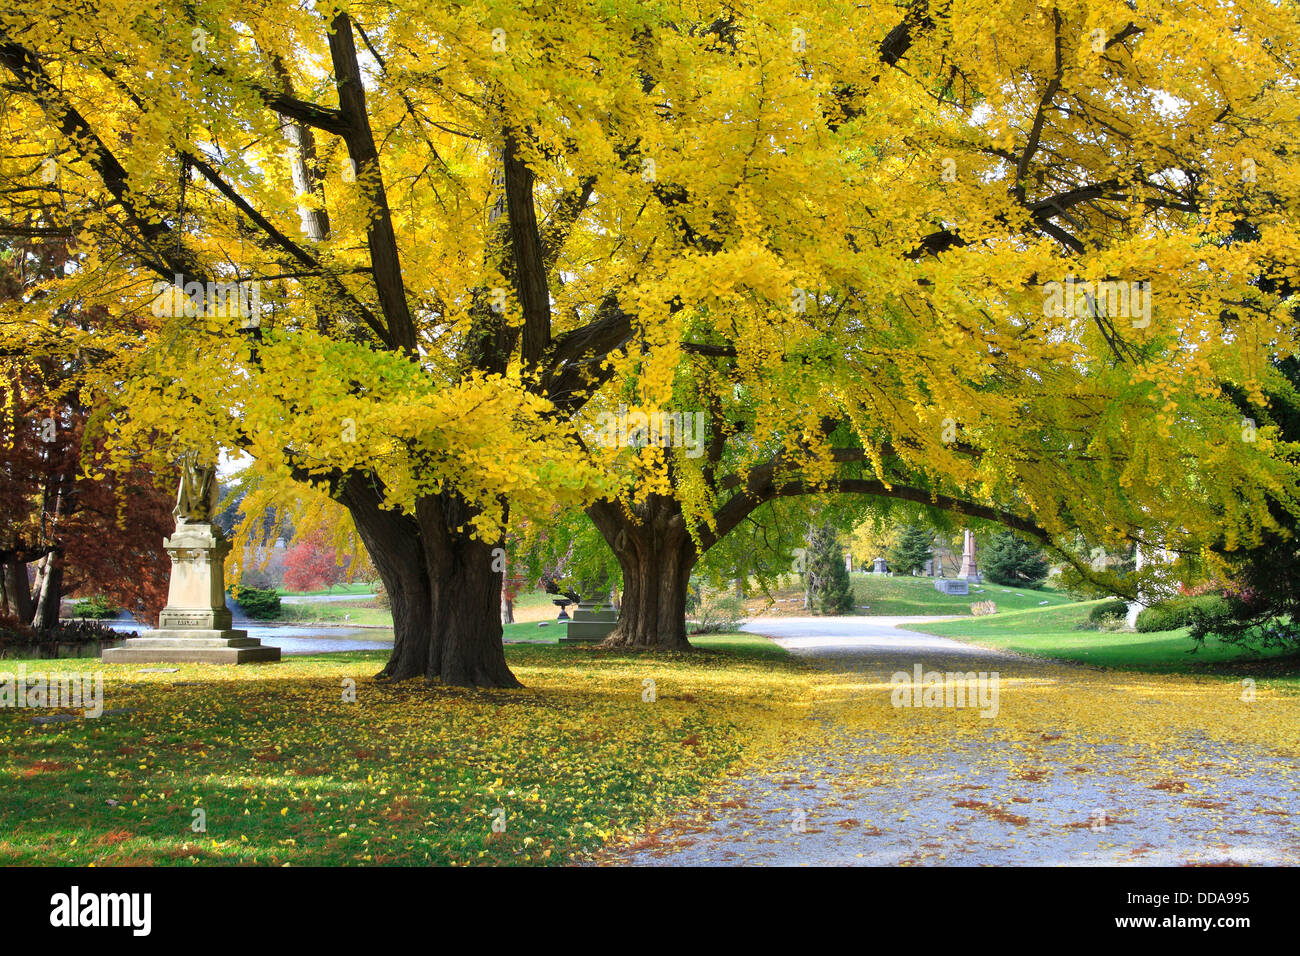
312 564
60 531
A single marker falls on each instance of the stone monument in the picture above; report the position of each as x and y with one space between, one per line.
592 621
195 626
878 566
969 570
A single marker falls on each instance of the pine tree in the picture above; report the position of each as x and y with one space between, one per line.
828 579
1014 562
912 551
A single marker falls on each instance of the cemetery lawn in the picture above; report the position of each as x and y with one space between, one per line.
1054 632
338 613
288 773
354 587
916 595
903 595
365 612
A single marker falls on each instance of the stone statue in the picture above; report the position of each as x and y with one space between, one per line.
196 499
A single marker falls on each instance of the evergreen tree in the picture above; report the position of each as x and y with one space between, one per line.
828 579
1263 581
1013 562
912 551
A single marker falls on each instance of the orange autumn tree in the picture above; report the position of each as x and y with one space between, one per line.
453 232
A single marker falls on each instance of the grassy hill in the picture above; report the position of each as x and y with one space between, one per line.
1054 632
909 595
883 595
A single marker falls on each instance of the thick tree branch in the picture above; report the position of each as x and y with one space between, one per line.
359 137
528 255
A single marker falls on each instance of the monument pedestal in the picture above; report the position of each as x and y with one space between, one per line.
194 627
592 622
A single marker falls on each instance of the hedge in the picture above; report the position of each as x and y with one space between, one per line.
261 604
1181 612
1111 608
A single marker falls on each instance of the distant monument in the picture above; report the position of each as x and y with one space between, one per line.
195 626
969 570
878 566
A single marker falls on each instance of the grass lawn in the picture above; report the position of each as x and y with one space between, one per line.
529 609
356 587
1052 632
892 596
341 613
288 773
909 595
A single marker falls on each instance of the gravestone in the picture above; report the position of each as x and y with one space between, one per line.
879 567
195 626
592 621
952 586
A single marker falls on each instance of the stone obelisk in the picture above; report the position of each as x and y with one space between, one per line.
969 570
195 626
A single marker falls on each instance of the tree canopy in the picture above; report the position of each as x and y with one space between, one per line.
966 257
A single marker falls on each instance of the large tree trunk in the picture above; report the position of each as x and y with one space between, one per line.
656 555
50 599
444 592
19 591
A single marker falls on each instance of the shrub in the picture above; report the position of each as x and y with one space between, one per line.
1183 612
97 607
68 632
719 612
1113 608
261 604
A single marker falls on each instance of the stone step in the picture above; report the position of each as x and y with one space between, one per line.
191 655
235 639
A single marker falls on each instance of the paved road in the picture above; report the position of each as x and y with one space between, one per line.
1044 782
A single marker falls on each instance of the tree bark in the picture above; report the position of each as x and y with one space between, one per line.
444 593
50 599
19 592
656 555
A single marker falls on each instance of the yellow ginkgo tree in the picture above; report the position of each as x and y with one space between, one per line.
1008 263
403 252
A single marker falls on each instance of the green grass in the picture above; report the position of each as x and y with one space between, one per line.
916 595
533 599
289 773
1053 632
336 613
355 587
529 631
